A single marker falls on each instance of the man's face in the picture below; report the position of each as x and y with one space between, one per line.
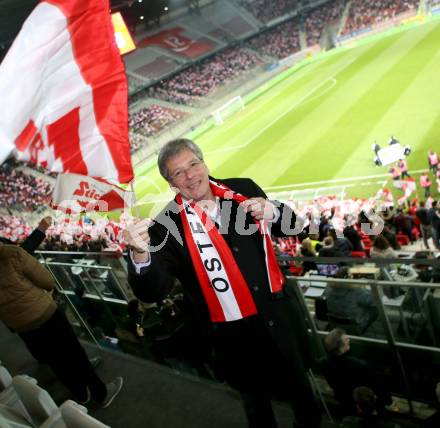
189 175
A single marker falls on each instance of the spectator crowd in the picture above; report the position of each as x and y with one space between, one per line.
202 79
153 119
363 227
85 234
364 14
279 42
327 216
315 21
19 190
190 86
266 10
136 141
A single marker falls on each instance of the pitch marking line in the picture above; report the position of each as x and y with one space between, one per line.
337 180
269 96
297 104
316 192
270 124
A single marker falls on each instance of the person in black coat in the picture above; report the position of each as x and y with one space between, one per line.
344 373
260 348
342 244
353 236
329 249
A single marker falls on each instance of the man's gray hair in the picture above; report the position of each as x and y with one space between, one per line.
172 148
333 341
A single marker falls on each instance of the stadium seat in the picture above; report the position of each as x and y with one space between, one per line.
37 401
367 240
359 254
5 378
75 416
9 396
368 243
296 270
402 239
54 421
416 233
72 415
10 418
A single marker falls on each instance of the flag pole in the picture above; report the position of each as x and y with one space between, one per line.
136 208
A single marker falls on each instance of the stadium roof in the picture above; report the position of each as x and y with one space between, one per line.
14 12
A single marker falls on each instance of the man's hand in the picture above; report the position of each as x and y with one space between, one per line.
137 238
45 223
260 208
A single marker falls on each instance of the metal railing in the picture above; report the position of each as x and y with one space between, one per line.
408 310
407 322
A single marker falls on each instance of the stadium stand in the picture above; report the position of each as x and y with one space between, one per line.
266 10
81 235
14 228
204 78
365 14
328 14
228 19
136 141
19 190
180 42
148 64
135 84
278 42
202 24
153 119
160 53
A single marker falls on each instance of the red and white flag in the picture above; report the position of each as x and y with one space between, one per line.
74 193
63 92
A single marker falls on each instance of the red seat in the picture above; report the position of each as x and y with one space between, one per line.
416 233
402 239
359 254
296 270
368 243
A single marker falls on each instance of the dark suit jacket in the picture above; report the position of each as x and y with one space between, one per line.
330 251
281 313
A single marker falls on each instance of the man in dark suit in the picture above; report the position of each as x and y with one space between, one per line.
217 243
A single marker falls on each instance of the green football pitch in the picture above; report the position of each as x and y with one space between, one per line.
312 133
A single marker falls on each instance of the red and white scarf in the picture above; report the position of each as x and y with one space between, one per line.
225 290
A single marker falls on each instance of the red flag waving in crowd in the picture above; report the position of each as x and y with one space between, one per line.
64 92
